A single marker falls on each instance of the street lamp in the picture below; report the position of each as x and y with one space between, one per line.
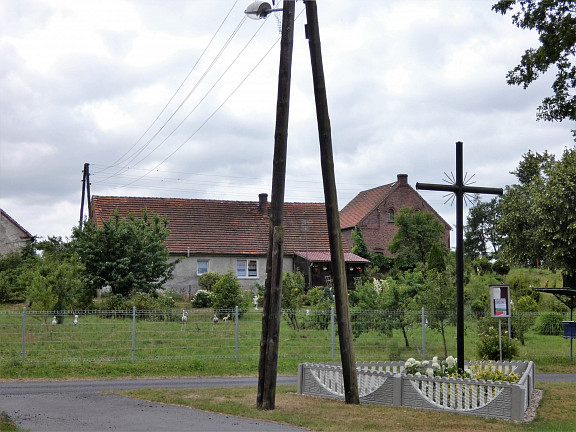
259 10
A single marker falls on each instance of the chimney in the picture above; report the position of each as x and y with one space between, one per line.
262 203
403 179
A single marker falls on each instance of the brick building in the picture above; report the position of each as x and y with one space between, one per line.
373 211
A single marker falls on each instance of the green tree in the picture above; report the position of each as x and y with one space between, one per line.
555 22
398 297
518 226
438 297
292 292
481 237
549 218
11 266
555 208
47 273
127 254
417 232
207 280
360 247
227 294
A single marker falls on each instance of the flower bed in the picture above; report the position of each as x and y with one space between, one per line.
387 383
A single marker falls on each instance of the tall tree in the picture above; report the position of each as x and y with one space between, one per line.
539 216
438 297
360 247
417 232
127 254
517 225
481 237
555 208
555 22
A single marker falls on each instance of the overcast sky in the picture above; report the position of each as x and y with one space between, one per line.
177 98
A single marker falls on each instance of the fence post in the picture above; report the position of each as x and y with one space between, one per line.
332 329
423 334
133 333
236 319
23 334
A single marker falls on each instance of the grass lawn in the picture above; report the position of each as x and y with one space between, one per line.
556 412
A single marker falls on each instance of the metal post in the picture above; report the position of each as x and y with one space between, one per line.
459 189
423 334
133 333
237 323
332 330
23 334
500 336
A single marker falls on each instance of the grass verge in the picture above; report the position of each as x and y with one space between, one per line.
556 412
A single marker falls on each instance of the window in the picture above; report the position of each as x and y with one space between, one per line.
202 267
247 268
390 215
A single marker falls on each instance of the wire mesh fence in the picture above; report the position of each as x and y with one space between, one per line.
307 334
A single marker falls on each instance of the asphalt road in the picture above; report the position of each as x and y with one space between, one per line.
81 406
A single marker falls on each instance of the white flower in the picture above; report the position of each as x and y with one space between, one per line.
430 372
435 365
417 374
410 362
435 359
417 363
425 363
451 361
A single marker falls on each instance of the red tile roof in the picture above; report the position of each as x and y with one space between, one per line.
363 204
223 227
326 257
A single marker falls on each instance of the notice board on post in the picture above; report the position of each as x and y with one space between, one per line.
500 301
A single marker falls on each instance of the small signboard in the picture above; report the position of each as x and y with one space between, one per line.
500 301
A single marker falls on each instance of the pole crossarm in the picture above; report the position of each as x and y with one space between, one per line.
459 189
455 188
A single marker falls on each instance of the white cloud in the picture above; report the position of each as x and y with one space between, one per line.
81 81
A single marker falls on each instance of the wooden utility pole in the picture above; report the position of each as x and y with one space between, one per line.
332 214
459 189
85 188
272 308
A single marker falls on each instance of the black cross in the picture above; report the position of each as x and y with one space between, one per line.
459 189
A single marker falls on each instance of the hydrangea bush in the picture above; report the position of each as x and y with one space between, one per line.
448 368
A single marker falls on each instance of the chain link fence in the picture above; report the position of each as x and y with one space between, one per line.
306 334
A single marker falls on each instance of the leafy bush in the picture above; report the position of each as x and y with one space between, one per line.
485 371
227 294
501 267
202 299
521 284
549 323
207 280
114 302
314 296
488 345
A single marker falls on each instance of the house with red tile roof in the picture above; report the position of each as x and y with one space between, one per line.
13 236
215 235
373 211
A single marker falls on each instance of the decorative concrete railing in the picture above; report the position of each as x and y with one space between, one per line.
386 383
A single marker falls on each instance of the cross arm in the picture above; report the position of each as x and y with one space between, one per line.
436 187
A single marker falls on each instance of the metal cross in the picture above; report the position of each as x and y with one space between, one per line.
459 189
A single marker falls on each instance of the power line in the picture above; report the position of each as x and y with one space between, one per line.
220 106
121 158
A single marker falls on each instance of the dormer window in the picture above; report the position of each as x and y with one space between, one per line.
391 215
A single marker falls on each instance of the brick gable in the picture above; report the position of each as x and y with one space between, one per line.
369 211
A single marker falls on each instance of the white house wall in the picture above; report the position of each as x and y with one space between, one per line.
185 280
